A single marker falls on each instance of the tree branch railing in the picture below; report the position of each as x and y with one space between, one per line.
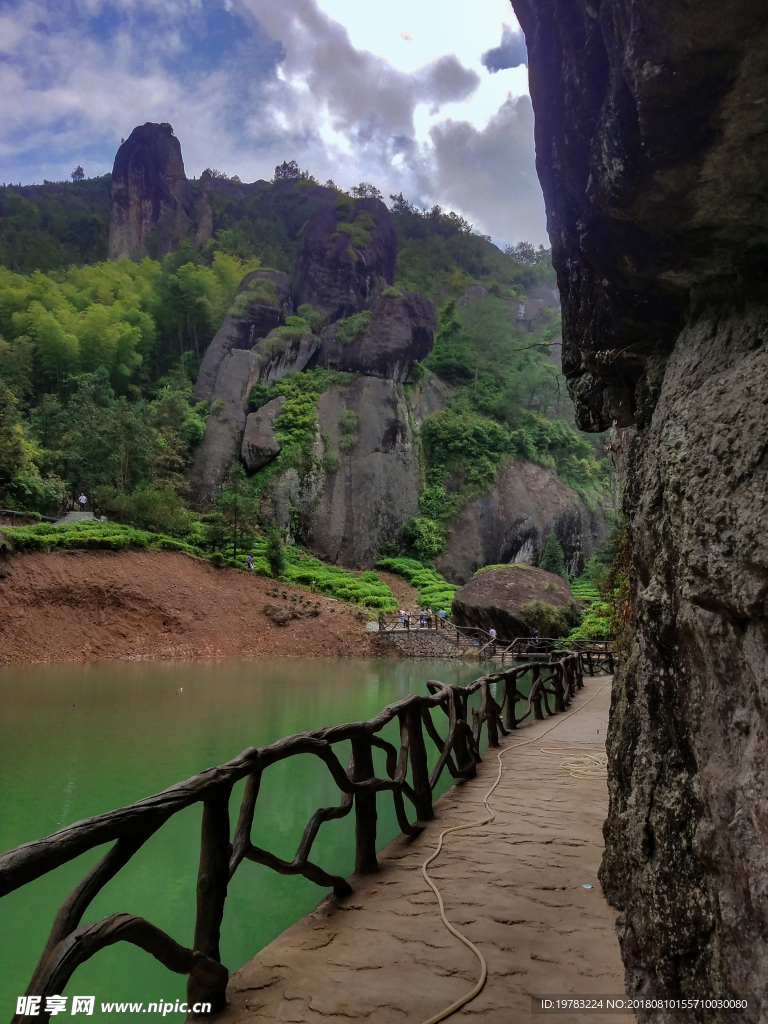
70 943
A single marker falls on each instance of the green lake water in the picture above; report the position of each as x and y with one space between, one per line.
79 740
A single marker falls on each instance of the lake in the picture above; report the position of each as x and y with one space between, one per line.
79 740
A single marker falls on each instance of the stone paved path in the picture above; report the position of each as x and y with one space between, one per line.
514 887
73 517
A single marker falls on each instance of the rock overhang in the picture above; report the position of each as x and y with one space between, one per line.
645 206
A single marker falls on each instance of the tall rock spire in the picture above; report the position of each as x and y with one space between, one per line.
152 203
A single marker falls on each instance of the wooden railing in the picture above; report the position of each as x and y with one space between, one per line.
71 943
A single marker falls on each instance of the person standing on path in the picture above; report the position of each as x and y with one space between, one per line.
249 560
83 502
442 618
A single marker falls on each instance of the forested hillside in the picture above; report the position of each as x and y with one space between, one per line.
98 358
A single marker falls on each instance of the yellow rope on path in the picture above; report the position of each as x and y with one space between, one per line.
485 821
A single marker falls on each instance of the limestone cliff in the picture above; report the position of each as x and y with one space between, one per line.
152 204
652 149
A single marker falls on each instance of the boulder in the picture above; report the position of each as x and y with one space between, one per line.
401 329
282 353
259 317
493 597
512 521
259 444
152 204
338 272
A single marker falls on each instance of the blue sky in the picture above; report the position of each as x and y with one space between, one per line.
415 96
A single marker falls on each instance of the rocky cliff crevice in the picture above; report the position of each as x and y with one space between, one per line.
652 151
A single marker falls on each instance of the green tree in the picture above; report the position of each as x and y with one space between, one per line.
214 530
553 557
78 174
275 552
238 506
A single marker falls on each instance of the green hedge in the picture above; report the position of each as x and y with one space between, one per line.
434 590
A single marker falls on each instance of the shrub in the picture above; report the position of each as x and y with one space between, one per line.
314 318
391 293
595 624
331 461
348 421
549 620
354 327
297 322
347 442
157 509
426 537
434 590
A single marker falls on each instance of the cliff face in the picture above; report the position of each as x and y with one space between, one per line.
652 151
512 521
152 204
349 514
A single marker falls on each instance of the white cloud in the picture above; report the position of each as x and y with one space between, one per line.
351 100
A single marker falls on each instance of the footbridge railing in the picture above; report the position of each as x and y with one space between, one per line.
408 777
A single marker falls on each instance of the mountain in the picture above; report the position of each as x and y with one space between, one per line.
386 378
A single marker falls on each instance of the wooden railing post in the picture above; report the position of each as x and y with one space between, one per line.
536 699
417 753
510 685
212 882
558 684
365 807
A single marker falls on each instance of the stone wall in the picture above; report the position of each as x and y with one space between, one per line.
427 643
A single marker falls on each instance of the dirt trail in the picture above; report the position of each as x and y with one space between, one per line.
514 887
83 605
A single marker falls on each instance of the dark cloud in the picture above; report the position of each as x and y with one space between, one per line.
490 175
511 54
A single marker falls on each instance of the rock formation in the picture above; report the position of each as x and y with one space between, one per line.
492 599
512 521
259 443
401 330
347 255
652 150
269 293
349 514
152 204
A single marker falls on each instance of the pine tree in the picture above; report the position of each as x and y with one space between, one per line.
275 553
553 557
238 506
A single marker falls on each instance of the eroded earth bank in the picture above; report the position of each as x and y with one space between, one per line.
652 150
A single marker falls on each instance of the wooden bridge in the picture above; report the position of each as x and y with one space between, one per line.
555 681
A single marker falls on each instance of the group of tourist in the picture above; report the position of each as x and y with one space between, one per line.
426 620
